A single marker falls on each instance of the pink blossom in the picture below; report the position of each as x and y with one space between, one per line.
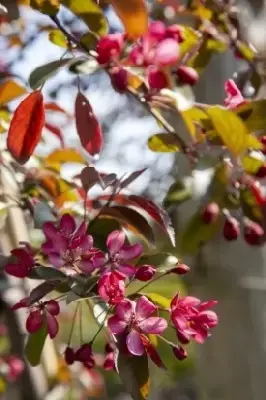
111 287
157 79
40 314
24 263
120 253
16 367
234 97
109 47
84 355
134 318
192 318
70 247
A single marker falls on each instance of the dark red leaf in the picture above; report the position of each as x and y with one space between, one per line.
88 127
89 176
57 132
131 178
42 290
154 356
55 107
26 127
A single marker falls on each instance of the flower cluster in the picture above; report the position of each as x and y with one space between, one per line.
158 51
130 318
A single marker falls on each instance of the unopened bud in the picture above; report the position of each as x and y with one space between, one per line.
145 273
210 213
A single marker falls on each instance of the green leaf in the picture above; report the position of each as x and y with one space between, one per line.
34 346
58 38
177 194
162 261
197 233
39 76
230 128
202 57
49 7
134 374
164 143
251 164
47 273
158 299
90 13
196 115
89 40
253 114
246 52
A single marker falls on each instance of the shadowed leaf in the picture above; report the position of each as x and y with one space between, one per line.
34 346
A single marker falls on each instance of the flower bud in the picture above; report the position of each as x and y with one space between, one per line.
180 353
145 273
69 355
253 233
84 355
231 229
210 213
157 79
175 32
182 337
261 173
263 139
180 269
119 79
187 75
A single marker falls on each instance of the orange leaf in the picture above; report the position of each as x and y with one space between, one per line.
88 127
133 14
64 156
57 132
55 107
26 127
10 90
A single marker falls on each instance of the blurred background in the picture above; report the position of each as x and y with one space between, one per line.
232 364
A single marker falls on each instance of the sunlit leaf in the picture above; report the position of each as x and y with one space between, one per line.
133 14
10 90
88 127
90 13
164 143
64 156
49 7
251 164
26 127
39 76
35 345
253 114
134 374
195 115
191 39
58 38
55 107
89 40
69 196
245 51
158 299
177 194
230 128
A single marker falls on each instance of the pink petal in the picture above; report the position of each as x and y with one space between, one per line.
127 270
157 30
167 53
47 247
207 304
116 325
86 242
82 229
86 266
52 307
128 253
189 301
52 325
144 308
99 260
60 243
115 241
153 325
179 320
134 343
56 260
67 225
50 230
125 309
34 321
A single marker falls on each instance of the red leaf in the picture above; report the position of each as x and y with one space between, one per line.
88 127
26 127
57 132
131 178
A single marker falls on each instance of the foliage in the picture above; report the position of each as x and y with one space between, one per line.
95 248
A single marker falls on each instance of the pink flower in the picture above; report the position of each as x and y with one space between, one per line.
109 47
70 247
157 79
111 287
40 314
84 355
134 318
158 47
16 367
192 319
24 264
234 97
120 253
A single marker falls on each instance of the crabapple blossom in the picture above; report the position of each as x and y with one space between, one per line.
111 287
234 97
24 263
134 319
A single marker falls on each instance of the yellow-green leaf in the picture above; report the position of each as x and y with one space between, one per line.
10 90
195 115
164 143
133 14
191 39
158 299
230 128
64 156
253 114
251 164
58 38
90 13
49 7
245 51
89 40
